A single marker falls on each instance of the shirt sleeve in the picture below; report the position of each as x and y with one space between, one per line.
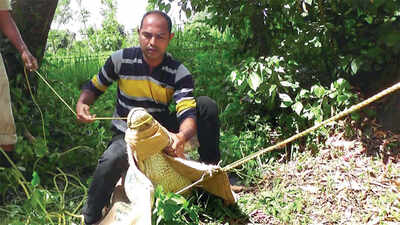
106 76
183 95
5 5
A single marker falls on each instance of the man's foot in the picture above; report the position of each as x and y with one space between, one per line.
95 223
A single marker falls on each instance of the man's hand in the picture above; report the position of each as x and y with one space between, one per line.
86 98
83 114
29 60
177 147
8 27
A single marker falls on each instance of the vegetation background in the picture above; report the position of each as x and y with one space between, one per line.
275 68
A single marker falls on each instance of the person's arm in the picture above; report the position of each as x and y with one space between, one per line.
86 99
8 27
187 130
185 111
95 88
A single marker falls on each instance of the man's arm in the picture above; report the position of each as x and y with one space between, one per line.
86 99
8 27
187 130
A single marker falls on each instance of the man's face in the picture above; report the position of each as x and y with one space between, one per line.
154 38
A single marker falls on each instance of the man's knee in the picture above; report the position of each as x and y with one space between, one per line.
115 156
206 107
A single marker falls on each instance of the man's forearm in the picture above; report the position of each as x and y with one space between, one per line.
187 129
87 97
83 114
8 27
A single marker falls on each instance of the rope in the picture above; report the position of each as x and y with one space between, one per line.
63 101
36 104
191 185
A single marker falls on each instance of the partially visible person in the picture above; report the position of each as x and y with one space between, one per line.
8 137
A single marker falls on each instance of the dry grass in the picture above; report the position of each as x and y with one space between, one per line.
345 183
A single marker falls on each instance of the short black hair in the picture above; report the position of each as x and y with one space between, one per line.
158 12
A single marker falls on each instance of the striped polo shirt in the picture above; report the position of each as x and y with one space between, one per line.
137 87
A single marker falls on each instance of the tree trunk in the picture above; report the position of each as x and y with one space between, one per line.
33 19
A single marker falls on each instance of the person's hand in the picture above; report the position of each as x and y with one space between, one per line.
29 60
83 114
177 147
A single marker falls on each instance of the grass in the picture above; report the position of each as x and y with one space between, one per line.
342 182
326 188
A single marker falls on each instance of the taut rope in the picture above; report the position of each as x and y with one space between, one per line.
65 103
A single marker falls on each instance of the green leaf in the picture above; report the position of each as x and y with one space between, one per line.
268 70
35 179
369 19
354 66
341 99
168 8
254 81
286 84
286 100
304 93
233 76
341 84
297 107
318 91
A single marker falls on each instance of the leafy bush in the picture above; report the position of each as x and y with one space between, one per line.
170 208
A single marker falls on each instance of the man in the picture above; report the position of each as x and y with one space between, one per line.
8 137
149 78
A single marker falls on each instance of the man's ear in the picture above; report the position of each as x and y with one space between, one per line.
171 35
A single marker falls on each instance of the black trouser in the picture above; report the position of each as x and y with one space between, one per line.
114 160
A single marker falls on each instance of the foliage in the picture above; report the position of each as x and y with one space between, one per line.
112 34
274 68
60 141
265 86
262 99
63 13
110 37
236 146
58 40
170 208
325 39
43 205
208 54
